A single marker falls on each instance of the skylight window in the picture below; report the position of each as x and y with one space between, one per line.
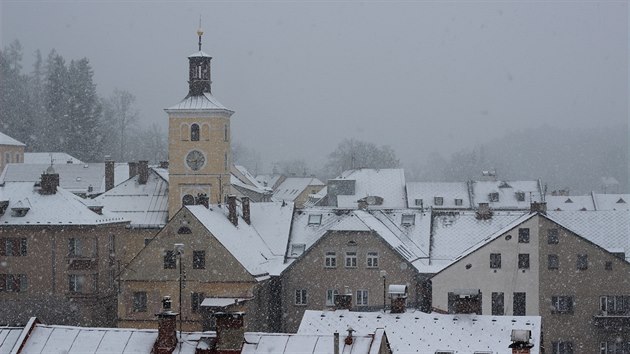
408 219
297 249
315 219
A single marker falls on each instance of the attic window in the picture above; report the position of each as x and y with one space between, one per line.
459 202
438 201
568 200
621 201
520 196
493 197
408 219
297 249
419 202
315 219
184 230
504 185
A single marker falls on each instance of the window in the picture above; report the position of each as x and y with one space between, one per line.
618 305
297 249
562 347
169 260
519 304
552 236
362 297
523 261
553 262
523 235
225 161
493 197
614 347
351 259
199 259
330 260
459 202
608 265
140 301
188 200
7 157
582 262
495 260
13 282
562 304
13 246
520 196
315 219
498 305
300 297
438 200
418 202
77 283
195 301
372 259
77 247
408 219
330 296
194 132
184 230
226 134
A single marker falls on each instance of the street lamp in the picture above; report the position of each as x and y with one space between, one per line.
179 250
384 276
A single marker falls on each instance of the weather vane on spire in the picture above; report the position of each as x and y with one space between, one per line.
199 33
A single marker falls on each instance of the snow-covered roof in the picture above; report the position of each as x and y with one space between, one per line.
572 203
507 193
256 250
419 332
454 233
60 208
205 102
268 180
7 140
278 343
46 158
199 54
243 175
609 229
424 194
76 178
84 340
411 240
9 338
611 201
145 205
388 184
272 221
292 187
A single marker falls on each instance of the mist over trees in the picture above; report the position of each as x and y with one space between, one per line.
55 108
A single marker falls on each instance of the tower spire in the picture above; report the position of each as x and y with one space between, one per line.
199 32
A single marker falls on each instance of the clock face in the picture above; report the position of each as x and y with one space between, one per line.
195 160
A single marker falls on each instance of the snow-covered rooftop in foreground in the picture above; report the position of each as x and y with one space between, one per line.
388 184
47 157
9 338
61 208
571 203
279 343
419 332
205 102
7 140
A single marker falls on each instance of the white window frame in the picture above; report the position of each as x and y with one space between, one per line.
418 202
330 260
351 259
459 202
371 260
77 283
301 297
438 200
330 296
363 297
315 219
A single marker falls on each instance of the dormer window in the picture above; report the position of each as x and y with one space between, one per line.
459 202
568 200
493 197
315 219
621 201
520 196
438 201
408 219
20 209
418 202
297 249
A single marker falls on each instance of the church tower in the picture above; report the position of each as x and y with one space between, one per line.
198 141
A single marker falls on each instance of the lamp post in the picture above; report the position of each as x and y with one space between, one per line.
179 250
384 276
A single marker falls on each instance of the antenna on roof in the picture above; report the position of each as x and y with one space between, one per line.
199 32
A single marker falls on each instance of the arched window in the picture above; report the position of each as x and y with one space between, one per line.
184 230
225 162
194 132
205 131
188 200
183 131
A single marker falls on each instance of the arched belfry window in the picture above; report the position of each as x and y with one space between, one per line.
188 200
194 132
199 71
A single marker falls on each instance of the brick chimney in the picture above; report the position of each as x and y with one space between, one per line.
230 332
143 171
246 210
232 210
49 182
536 207
521 341
166 341
398 296
109 174
336 342
133 169
484 212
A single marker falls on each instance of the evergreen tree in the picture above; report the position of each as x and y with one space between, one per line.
56 102
15 114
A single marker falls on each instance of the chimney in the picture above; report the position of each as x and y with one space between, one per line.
336 343
349 339
362 204
484 212
133 169
166 341
143 171
521 341
232 210
246 210
230 332
164 165
398 296
49 182
109 174
536 207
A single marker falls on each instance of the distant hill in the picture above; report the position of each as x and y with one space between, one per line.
577 159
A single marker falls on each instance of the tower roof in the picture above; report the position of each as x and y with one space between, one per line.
205 102
199 54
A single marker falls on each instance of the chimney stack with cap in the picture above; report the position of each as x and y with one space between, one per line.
246 210
232 210
536 207
230 332
49 182
133 169
484 212
109 173
167 329
143 171
521 341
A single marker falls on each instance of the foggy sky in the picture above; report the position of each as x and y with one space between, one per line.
302 75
